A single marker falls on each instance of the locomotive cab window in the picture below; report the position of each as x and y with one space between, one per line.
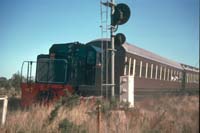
51 71
91 58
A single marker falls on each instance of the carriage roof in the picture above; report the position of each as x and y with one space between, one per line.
132 49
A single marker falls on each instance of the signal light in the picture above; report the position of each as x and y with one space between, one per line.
119 39
120 15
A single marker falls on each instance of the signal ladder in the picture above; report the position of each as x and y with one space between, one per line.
104 46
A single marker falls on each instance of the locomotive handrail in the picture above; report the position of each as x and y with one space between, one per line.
28 69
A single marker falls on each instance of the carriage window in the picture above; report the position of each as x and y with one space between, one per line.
158 73
149 71
137 69
143 70
197 78
154 72
163 73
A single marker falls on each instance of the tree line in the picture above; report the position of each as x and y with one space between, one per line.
13 82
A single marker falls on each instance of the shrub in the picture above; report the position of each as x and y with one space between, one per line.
66 126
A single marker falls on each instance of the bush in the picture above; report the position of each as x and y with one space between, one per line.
68 101
66 126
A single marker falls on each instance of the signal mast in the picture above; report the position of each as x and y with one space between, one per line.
120 14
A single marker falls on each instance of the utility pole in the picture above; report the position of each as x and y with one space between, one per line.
112 53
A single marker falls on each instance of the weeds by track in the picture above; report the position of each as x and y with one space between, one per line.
164 114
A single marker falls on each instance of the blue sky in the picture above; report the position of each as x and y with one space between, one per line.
169 28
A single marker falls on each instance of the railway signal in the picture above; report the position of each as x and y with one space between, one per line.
119 39
121 14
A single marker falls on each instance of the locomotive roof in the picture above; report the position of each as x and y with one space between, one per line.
63 46
132 49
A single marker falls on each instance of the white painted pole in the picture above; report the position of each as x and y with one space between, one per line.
125 69
146 72
165 73
161 73
168 74
140 69
134 63
5 104
151 71
171 76
129 67
156 75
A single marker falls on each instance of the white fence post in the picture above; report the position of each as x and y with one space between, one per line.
5 104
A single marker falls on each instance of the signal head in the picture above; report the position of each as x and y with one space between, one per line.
119 39
121 14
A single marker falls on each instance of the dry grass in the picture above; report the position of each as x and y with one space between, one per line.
168 114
